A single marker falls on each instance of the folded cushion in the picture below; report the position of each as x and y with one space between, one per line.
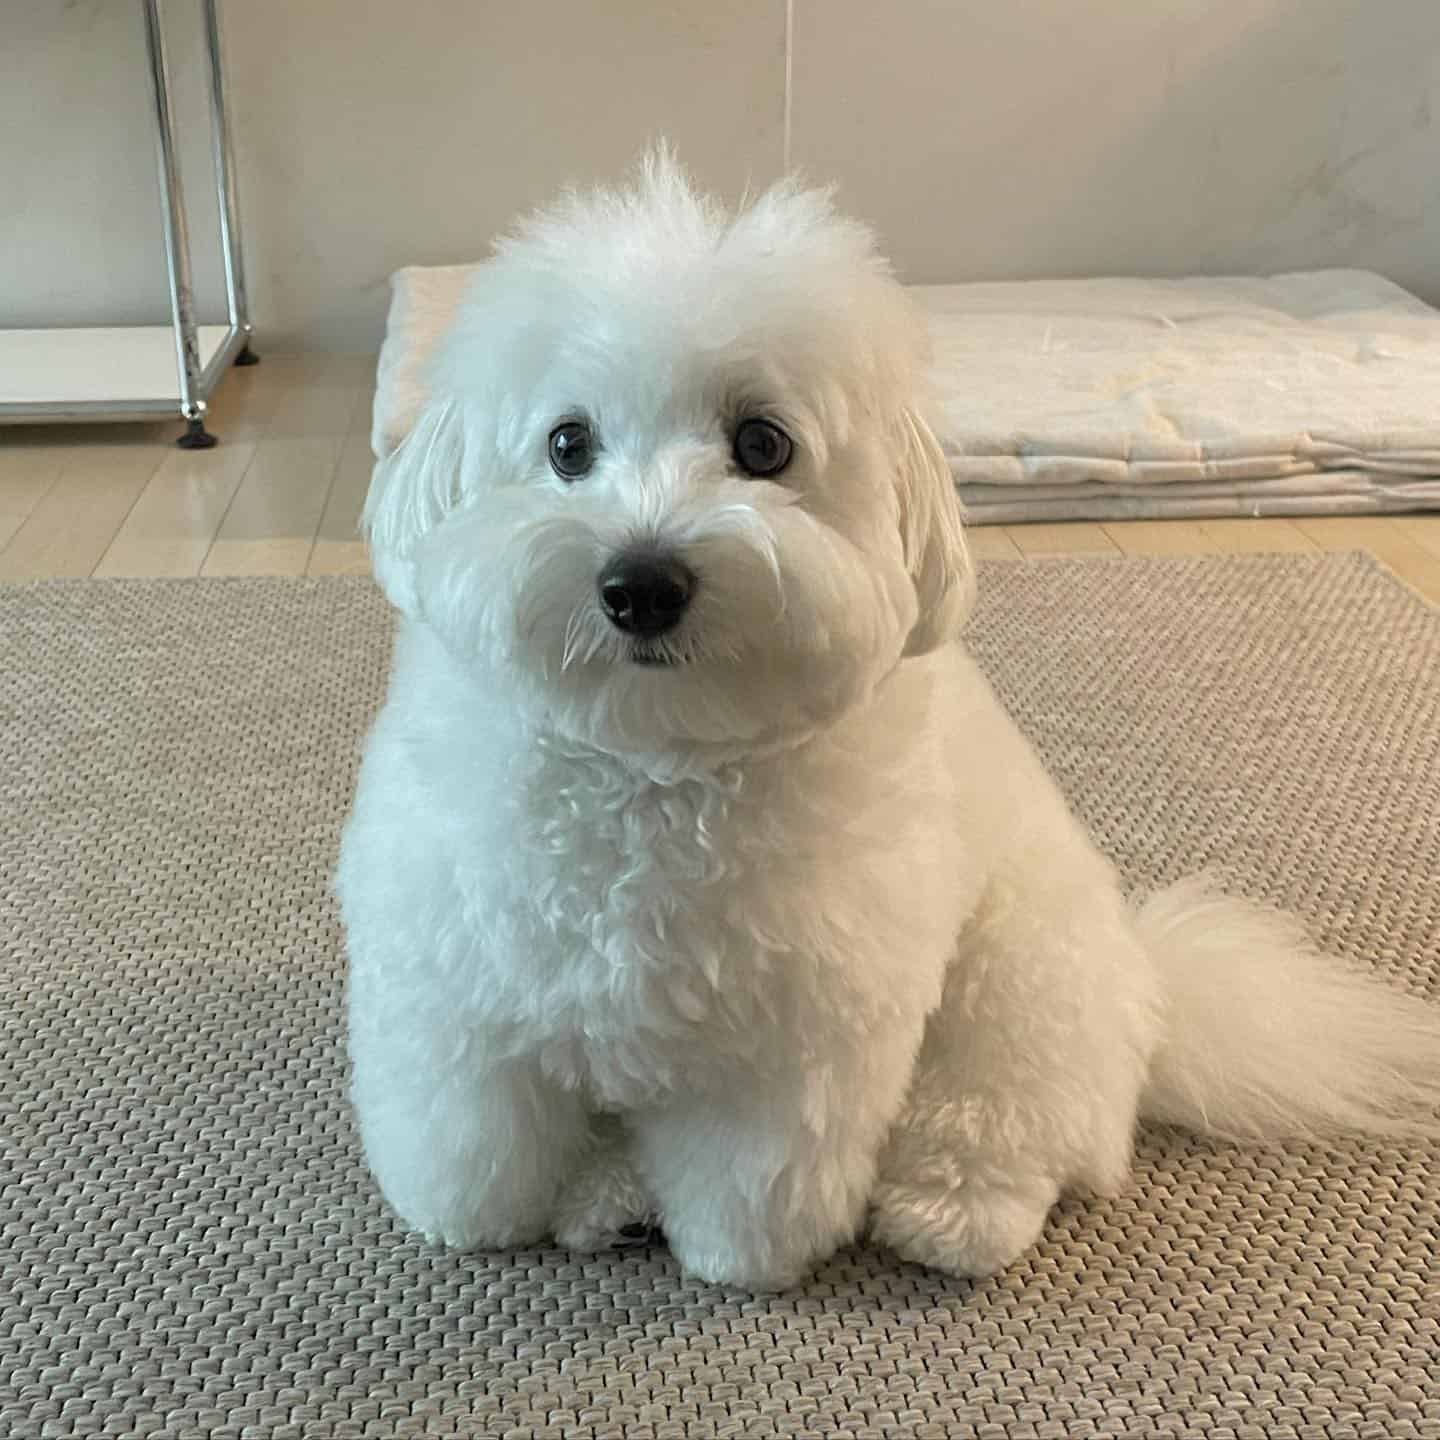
1201 396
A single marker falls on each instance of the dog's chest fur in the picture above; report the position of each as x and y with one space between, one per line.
674 924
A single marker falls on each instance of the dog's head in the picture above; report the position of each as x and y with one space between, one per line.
673 487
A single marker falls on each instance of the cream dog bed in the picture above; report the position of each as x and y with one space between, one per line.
1109 399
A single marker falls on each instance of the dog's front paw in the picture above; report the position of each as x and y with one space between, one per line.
738 1267
973 1229
454 1214
750 1260
480 1232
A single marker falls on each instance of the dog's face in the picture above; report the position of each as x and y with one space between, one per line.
672 488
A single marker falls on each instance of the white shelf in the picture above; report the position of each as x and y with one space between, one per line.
124 368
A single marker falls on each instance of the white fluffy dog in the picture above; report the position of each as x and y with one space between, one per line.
695 871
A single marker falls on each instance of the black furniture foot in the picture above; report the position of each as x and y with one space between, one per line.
196 436
247 356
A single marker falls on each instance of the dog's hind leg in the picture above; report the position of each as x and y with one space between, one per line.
605 1203
1030 1074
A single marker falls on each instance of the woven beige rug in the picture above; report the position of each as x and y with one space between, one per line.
192 1247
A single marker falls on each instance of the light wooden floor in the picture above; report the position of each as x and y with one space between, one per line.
281 495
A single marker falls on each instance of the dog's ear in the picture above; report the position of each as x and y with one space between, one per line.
411 491
934 538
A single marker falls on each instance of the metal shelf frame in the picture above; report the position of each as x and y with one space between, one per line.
196 374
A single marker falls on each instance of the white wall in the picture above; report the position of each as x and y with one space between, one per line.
375 134
983 139
1064 137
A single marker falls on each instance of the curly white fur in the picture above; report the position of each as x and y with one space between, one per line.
794 927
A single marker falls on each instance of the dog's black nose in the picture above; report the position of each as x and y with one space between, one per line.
645 593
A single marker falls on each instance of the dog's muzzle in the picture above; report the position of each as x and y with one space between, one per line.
645 592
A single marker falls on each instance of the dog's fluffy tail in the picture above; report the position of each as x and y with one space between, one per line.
1267 1037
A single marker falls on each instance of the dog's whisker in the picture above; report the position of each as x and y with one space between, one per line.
781 604
572 637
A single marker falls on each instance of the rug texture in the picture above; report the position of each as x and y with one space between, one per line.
192 1246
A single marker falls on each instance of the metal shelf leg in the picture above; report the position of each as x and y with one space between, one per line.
177 241
237 298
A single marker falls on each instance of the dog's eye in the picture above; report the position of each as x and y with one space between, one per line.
572 449
761 447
